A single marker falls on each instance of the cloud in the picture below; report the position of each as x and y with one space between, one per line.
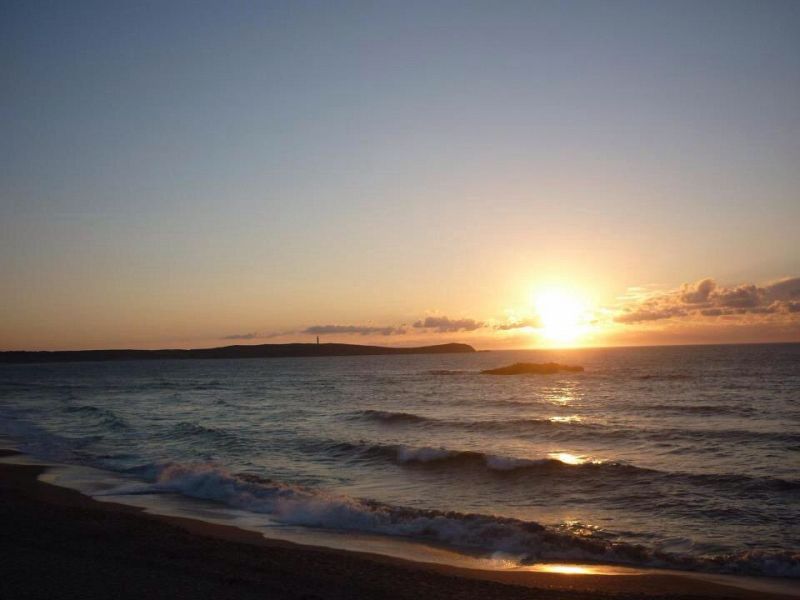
254 335
650 314
792 307
353 330
705 299
783 290
698 292
519 324
446 325
241 336
743 296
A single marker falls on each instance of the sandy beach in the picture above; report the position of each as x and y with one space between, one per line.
58 543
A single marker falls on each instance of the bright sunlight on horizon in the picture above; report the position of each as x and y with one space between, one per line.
562 316
520 175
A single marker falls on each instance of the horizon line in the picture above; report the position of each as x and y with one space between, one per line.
548 348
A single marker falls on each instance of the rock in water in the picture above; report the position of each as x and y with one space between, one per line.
533 368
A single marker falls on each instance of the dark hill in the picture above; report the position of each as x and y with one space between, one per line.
241 351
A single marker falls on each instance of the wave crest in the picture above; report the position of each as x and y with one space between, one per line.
520 425
387 416
529 541
445 457
556 465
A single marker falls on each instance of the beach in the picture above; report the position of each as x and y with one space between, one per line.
58 543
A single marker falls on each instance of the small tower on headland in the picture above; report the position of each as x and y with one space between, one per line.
317 340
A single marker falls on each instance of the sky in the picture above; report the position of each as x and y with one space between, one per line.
507 174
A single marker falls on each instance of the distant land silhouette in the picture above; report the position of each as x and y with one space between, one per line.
240 351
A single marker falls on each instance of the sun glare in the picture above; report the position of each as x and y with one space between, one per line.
567 569
563 569
562 316
567 458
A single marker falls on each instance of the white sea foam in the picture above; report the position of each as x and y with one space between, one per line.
494 462
527 540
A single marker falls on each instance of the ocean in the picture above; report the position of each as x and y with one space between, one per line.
669 457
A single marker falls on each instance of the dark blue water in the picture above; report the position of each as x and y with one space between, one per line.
685 457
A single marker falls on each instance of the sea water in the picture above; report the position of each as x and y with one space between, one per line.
676 457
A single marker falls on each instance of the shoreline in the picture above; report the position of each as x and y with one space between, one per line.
62 544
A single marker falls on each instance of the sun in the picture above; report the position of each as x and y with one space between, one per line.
562 316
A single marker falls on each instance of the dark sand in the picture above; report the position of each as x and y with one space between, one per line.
57 543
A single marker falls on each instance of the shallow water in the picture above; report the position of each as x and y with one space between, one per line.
675 457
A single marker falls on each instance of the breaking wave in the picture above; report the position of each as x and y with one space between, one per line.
555 466
446 458
505 425
528 541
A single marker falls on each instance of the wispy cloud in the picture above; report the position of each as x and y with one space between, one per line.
518 324
241 336
353 330
254 335
429 325
447 325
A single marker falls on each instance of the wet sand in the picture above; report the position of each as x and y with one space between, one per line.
58 543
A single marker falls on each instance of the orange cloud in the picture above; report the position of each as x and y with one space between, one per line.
705 299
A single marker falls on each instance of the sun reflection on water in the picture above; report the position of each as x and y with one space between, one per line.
567 458
567 419
563 394
565 569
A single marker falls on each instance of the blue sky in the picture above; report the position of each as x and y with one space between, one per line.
177 172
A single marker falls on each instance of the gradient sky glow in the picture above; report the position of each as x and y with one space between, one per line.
176 173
